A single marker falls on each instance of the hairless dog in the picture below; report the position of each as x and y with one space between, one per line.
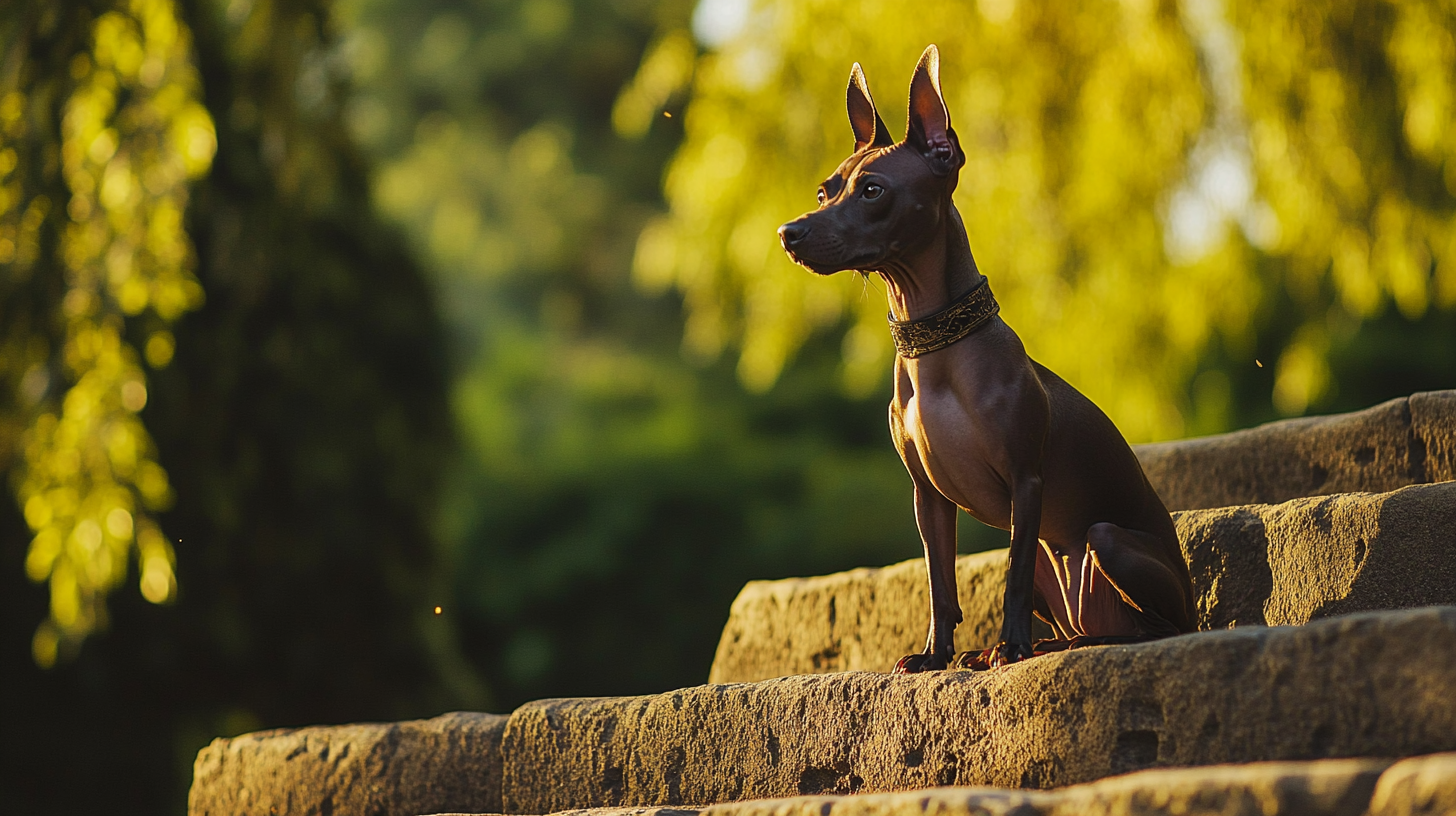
979 424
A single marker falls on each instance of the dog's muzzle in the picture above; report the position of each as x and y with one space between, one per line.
792 234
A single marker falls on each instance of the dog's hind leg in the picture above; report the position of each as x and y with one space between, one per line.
1126 592
1081 589
1058 583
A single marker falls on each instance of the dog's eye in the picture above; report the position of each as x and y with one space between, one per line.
873 191
821 196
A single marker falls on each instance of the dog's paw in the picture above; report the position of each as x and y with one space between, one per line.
975 661
920 662
1007 653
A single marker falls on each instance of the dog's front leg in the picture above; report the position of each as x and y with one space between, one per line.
1020 571
935 515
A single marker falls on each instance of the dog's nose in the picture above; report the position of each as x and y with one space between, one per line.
793 232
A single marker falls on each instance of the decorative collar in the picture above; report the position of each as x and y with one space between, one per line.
934 332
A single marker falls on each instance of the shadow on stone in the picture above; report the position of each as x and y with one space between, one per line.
1228 561
1409 562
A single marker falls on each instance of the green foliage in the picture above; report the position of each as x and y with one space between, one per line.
301 418
1347 106
1147 187
96 162
1074 122
607 485
305 416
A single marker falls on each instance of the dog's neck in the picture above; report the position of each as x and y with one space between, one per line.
924 282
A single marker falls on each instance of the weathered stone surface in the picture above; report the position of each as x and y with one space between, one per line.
605 811
1420 785
1261 564
1326 787
1314 558
451 762
861 620
1335 787
1409 440
1433 422
1362 685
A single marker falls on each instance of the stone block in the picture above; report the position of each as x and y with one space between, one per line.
1332 787
451 762
1408 440
1325 787
1313 558
1419 786
861 620
1368 685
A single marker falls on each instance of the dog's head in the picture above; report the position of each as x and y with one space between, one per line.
887 199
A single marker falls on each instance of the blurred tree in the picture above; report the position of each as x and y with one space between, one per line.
102 132
607 485
1161 194
300 411
1349 106
1076 123
305 416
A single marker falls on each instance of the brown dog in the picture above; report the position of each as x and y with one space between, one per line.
979 424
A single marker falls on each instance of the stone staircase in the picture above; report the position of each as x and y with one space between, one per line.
1326 684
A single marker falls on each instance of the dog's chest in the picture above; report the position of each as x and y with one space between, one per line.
956 453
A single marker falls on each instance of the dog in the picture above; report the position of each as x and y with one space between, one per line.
978 423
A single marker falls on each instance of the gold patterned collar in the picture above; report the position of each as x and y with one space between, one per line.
934 332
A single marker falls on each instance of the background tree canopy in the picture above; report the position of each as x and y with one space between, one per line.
316 316
1162 193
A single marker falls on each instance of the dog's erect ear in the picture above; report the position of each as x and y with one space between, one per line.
869 128
929 130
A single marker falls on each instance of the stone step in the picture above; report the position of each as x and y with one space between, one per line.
451 762
1288 563
1409 440
861 620
1368 685
1371 685
1330 787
